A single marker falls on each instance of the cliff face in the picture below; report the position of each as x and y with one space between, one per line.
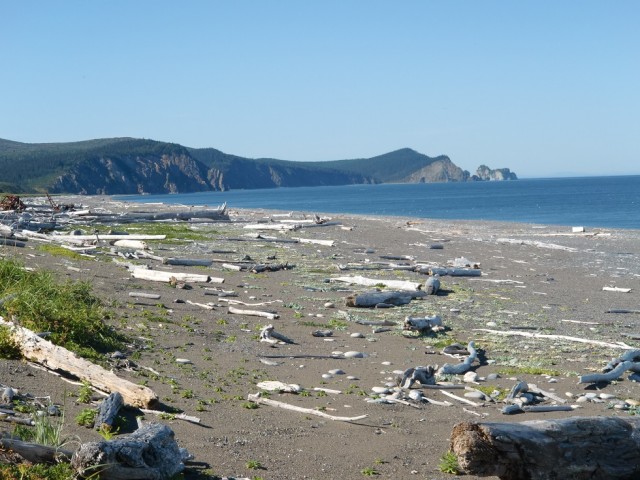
439 171
110 175
499 174
133 166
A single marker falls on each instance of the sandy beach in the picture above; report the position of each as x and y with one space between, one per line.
537 312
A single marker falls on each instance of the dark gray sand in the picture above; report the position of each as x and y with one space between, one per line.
536 280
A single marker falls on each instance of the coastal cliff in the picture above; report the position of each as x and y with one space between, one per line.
137 166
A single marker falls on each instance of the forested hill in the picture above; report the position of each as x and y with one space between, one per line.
129 165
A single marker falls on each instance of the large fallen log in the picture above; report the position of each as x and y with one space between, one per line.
149 453
383 299
163 276
372 282
594 448
54 357
34 452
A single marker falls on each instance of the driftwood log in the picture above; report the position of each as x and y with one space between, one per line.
383 299
421 324
164 276
594 448
108 411
54 357
33 452
149 453
372 282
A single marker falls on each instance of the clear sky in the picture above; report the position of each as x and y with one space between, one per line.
546 88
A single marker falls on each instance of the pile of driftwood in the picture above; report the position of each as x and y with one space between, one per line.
148 453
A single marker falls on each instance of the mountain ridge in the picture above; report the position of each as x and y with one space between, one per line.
126 165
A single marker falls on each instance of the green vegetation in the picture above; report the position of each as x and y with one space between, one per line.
60 471
87 417
530 370
369 472
449 464
73 315
9 348
59 251
254 465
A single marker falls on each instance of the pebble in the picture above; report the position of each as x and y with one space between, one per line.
322 333
183 361
493 376
569 394
336 371
352 377
607 396
591 395
398 372
491 324
329 305
386 363
54 411
353 354
380 390
620 406
357 335
632 402
415 395
470 377
582 399
327 376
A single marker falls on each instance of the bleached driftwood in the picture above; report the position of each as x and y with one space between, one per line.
453 272
254 313
54 357
230 266
256 398
272 226
432 285
206 306
616 289
150 296
276 386
383 299
372 282
420 324
597 448
326 243
107 237
459 369
536 243
460 399
268 334
177 416
135 244
149 453
164 276
619 345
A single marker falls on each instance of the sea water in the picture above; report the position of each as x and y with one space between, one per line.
608 202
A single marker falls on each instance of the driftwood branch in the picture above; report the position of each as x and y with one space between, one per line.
595 448
619 345
254 313
448 369
256 398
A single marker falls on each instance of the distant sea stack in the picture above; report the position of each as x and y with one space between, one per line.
137 166
487 174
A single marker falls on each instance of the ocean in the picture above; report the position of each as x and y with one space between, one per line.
606 202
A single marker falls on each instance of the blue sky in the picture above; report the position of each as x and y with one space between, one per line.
545 88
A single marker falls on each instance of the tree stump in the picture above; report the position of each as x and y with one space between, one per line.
594 448
149 453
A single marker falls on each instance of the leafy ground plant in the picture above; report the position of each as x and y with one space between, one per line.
449 464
